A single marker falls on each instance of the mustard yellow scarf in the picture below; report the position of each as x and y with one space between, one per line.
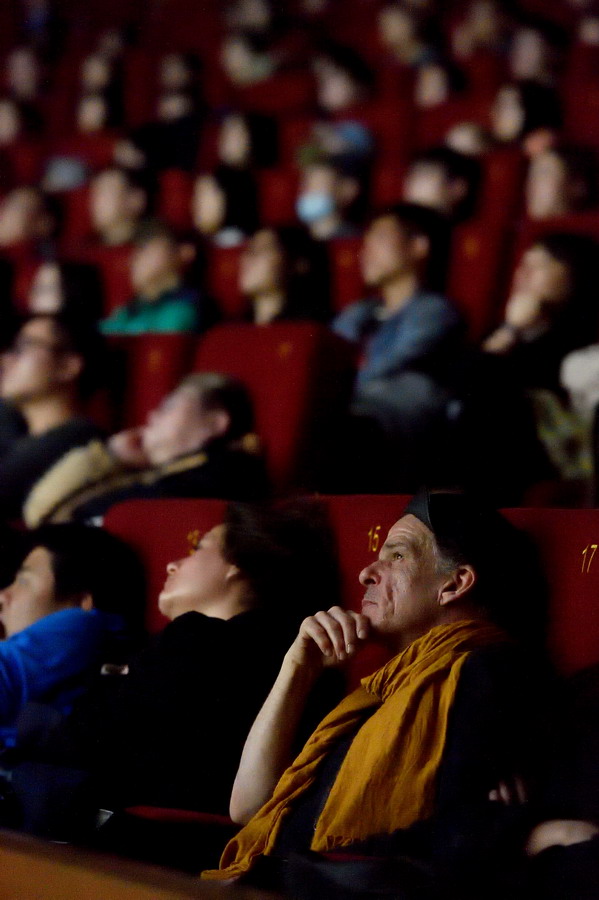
388 777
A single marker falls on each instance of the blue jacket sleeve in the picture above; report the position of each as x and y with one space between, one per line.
47 654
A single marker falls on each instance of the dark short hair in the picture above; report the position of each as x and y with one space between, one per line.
421 221
76 333
286 553
89 560
217 391
350 62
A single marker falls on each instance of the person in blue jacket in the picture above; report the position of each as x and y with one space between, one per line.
64 616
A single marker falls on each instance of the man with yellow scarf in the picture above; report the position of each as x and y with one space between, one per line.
406 765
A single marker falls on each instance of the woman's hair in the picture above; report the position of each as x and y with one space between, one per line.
578 252
286 554
89 560
305 273
241 198
81 289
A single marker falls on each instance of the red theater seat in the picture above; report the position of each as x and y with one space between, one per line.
222 276
114 264
161 531
299 376
175 189
346 275
149 366
277 190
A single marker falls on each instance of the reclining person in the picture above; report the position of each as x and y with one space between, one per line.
63 617
404 765
192 445
170 730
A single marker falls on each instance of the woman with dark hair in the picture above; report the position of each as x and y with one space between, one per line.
170 731
63 617
283 273
70 287
224 206
247 140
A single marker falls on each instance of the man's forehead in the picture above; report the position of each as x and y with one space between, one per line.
409 528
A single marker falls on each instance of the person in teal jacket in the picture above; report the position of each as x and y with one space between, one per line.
162 302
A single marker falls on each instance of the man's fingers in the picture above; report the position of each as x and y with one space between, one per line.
336 632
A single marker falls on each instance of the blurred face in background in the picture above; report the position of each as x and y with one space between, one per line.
261 265
208 205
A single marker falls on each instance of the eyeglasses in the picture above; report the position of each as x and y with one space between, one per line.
24 344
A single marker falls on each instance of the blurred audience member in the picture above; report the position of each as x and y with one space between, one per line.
28 224
118 200
329 193
536 51
283 273
247 141
162 301
527 113
51 367
192 445
66 287
224 206
64 617
445 181
561 180
406 34
408 335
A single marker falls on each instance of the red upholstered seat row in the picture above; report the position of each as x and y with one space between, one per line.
568 542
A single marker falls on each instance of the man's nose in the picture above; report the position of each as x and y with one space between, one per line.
369 574
172 567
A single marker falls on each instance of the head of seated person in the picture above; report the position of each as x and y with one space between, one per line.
17 120
247 140
483 27
405 32
283 273
28 219
439 565
468 138
256 16
224 206
403 248
550 292
157 262
52 365
173 106
536 51
240 564
437 82
443 180
343 79
68 287
561 180
246 58
526 113
205 410
73 567
329 197
24 73
96 112
178 72
119 198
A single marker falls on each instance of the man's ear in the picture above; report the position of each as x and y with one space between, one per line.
71 367
220 422
462 580
87 603
232 572
421 247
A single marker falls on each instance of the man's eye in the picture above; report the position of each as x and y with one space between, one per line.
396 555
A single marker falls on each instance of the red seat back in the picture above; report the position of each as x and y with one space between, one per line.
222 280
299 376
346 275
149 366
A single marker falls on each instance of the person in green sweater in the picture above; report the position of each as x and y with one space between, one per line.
162 302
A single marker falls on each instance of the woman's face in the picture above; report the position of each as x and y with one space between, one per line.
261 265
234 143
542 276
198 582
208 205
45 293
507 114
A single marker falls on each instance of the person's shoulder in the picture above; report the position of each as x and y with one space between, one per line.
434 302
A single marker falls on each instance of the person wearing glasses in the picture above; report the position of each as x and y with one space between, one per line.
45 375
